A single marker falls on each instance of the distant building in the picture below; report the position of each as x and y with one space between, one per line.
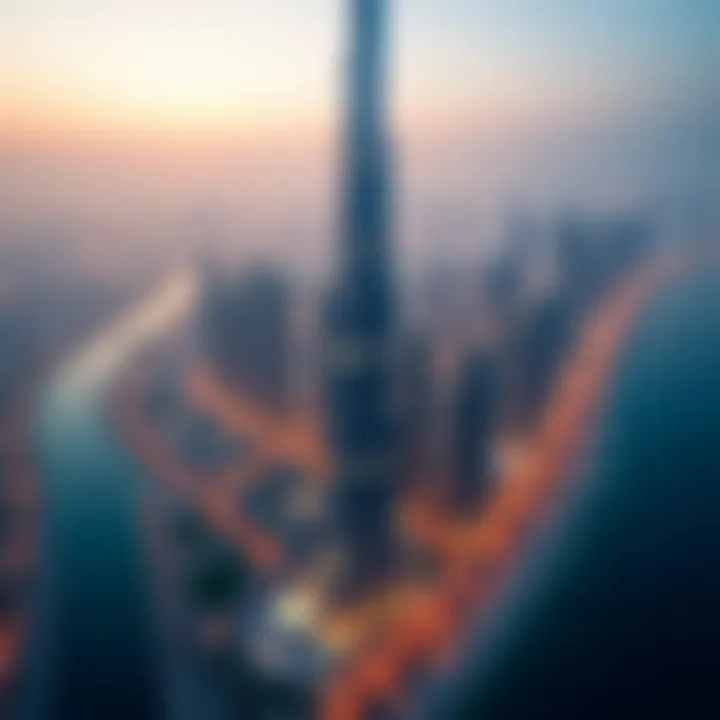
505 278
416 397
541 342
502 284
629 239
473 421
20 339
592 252
244 328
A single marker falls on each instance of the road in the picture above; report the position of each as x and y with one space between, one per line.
479 556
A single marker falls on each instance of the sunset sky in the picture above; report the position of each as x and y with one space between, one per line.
231 66
148 126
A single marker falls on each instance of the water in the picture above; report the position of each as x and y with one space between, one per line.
93 652
617 617
104 642
620 614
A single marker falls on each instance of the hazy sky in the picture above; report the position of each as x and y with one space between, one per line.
499 104
236 65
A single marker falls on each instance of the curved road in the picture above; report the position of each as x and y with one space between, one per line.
618 614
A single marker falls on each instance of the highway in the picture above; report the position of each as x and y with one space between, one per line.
215 495
294 439
476 556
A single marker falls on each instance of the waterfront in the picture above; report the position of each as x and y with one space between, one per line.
616 585
93 647
616 612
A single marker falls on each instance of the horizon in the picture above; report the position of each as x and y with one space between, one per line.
223 70
158 127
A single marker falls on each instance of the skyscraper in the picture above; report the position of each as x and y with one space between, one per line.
474 415
361 322
417 410
244 325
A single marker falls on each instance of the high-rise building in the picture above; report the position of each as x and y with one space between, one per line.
417 410
542 341
473 420
592 252
244 328
362 317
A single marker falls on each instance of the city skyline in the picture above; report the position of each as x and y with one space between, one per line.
162 127
357 353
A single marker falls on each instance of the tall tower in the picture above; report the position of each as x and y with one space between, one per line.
362 317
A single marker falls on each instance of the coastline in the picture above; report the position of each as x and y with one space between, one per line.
480 557
69 422
429 632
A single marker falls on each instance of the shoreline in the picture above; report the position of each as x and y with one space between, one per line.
487 552
477 558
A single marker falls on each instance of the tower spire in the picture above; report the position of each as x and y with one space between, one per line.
363 316
366 162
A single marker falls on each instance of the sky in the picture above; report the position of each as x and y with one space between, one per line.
127 126
234 66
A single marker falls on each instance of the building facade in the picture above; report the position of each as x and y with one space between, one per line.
362 318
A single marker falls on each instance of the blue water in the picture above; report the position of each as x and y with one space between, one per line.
105 649
93 655
92 652
621 614
620 617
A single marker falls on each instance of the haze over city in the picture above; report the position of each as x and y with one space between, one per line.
176 112
359 359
